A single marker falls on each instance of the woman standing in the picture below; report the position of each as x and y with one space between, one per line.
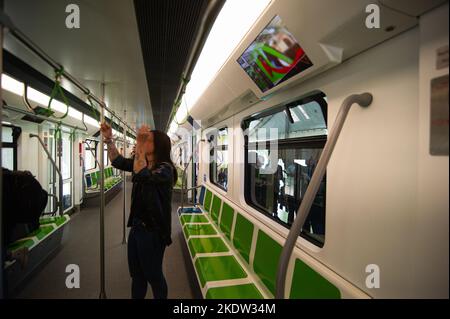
154 176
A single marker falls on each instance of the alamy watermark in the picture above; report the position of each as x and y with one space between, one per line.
73 279
73 17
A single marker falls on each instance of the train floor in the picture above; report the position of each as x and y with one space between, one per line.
80 246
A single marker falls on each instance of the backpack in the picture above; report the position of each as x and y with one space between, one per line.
24 200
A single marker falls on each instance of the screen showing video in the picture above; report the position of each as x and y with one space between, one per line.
274 57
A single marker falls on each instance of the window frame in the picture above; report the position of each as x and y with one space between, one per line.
16 132
296 143
88 150
214 161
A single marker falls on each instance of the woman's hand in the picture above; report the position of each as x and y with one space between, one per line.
106 131
143 135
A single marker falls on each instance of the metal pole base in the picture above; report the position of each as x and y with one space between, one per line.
102 295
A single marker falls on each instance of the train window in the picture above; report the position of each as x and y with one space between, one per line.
66 170
89 158
218 167
10 135
277 177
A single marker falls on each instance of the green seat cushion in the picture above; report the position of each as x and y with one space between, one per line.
21 243
243 235
208 199
246 291
309 284
59 220
198 230
193 218
267 255
43 231
218 268
215 209
226 219
206 245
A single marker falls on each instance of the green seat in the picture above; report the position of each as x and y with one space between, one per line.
206 245
42 231
21 243
193 218
246 291
198 230
218 268
59 220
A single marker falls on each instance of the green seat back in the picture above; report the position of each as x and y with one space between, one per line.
266 259
226 219
94 178
208 200
243 234
215 209
309 284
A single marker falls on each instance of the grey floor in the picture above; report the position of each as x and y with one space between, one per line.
81 247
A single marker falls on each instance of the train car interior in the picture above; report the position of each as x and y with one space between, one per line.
224 149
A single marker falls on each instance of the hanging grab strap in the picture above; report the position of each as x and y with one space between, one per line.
57 89
93 109
58 132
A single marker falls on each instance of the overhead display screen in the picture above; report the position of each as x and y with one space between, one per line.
274 57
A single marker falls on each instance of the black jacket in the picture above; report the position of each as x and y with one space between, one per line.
151 197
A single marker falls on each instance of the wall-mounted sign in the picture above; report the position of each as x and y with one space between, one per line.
439 116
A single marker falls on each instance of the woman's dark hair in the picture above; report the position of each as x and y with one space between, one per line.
162 149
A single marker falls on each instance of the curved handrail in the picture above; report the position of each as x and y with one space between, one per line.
363 100
182 181
60 204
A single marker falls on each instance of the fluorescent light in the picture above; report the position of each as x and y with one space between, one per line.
12 85
294 117
173 127
225 34
304 113
301 162
7 123
38 97
89 120
75 114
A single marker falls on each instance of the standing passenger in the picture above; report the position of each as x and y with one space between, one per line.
150 214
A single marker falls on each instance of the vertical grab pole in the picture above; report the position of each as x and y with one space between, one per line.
124 230
363 100
2 253
102 204
59 151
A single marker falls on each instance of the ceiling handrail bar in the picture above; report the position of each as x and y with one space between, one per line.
30 45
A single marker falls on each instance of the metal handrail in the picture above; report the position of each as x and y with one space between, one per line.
40 117
30 45
363 100
182 181
60 190
95 158
55 209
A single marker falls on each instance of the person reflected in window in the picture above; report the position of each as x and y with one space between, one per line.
154 176
222 178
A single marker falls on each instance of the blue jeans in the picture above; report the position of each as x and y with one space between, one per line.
145 258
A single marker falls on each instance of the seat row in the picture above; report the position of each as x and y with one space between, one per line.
234 258
92 179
